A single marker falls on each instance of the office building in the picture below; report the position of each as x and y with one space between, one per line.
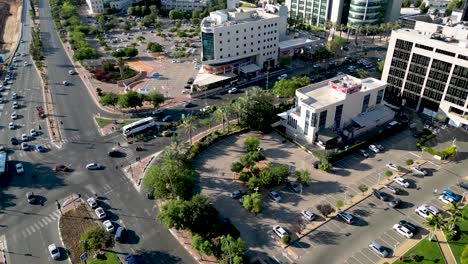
373 12
185 5
95 6
426 69
341 107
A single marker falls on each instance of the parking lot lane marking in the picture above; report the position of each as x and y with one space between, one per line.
386 236
56 214
43 220
370 255
353 260
362 258
29 231
384 243
37 226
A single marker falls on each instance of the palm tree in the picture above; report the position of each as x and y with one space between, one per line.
374 30
357 31
388 29
188 124
350 28
341 27
455 214
220 115
382 28
121 64
436 222
236 108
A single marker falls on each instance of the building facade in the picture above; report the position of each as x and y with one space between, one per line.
373 12
95 6
336 104
426 68
184 5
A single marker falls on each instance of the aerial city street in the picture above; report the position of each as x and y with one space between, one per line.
231 131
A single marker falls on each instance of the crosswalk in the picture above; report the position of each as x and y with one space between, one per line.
34 227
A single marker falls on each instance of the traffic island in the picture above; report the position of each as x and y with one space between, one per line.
75 220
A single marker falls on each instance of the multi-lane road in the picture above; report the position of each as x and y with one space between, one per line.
28 229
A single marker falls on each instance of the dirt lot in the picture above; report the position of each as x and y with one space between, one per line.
10 18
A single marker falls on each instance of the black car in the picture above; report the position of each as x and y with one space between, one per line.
293 186
14 141
413 228
31 198
363 153
190 81
380 195
238 194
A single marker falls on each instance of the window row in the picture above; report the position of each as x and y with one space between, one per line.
252 29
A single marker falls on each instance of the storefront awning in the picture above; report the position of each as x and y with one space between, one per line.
250 68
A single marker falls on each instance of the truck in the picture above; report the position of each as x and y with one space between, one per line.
40 111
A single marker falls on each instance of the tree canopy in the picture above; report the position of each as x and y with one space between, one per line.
257 110
131 99
96 238
287 88
154 47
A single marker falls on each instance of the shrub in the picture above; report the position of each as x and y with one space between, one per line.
363 188
325 165
236 167
325 209
388 173
451 235
421 142
286 239
399 168
409 162
251 144
255 171
244 176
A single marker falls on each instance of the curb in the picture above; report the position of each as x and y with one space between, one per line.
187 248
3 248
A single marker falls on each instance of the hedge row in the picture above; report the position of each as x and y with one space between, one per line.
421 142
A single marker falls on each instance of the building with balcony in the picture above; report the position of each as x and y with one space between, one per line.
343 106
184 5
426 69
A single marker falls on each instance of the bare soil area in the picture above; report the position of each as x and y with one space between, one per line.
10 20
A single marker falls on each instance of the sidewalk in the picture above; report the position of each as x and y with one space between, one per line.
3 248
136 171
445 248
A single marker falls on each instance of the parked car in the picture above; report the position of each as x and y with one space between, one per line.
403 231
413 228
392 189
238 194
232 90
66 83
419 170
394 202
24 137
31 198
19 168
33 132
24 146
380 195
275 196
451 195
425 210
348 218
293 186
94 166
14 116
392 166
402 182
11 125
378 249
100 213
167 118
445 199
109 226
282 76
120 234
15 105
279 231
14 141
130 259
463 185
54 251
380 147
363 153
71 72
306 214
115 153
92 202
61 168
374 149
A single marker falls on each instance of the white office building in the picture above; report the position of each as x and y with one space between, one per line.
95 6
343 106
185 5
426 69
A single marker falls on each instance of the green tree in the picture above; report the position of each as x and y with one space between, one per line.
130 52
336 44
303 176
121 65
453 4
67 10
102 22
155 98
85 53
202 246
220 115
417 3
147 21
325 165
254 183
232 250
236 167
196 13
257 109
131 11
423 8
380 66
140 38
280 172
109 99
464 255
435 222
362 73
175 14
96 238
188 124
256 203
405 3
287 88
339 204
131 99
154 11
154 47
251 144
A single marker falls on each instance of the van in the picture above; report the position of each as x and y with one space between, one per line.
119 234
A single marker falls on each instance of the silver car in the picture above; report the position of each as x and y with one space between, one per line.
378 249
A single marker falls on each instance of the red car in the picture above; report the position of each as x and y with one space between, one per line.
61 168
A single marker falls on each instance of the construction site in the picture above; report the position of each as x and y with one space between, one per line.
10 23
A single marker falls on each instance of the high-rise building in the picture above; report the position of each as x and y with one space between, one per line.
426 68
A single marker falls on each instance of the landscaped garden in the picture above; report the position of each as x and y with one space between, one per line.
111 73
425 252
460 241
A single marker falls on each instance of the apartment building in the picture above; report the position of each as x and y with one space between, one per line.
426 68
344 106
95 6
185 5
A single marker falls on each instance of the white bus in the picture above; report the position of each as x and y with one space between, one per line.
138 126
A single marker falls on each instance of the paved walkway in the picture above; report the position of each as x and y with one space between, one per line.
445 248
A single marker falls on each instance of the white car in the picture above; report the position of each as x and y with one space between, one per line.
419 170
206 108
101 214
24 146
14 115
94 166
33 132
232 90
374 149
108 226
24 137
11 125
308 215
71 72
392 166
282 76
92 202
402 182
25 63
15 105
19 168
280 231
445 199
426 210
403 231
432 210
54 251
14 96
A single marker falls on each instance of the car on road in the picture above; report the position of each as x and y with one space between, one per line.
445 199
232 90
348 218
279 231
92 202
186 91
238 194
392 166
66 83
108 226
166 133
413 228
71 72
100 213
14 141
451 195
282 76
61 168
24 146
306 214
205 109
14 115
380 195
378 249
25 63
394 202
33 132
402 182
392 189
275 196
11 125
363 153
188 104
19 168
54 251
15 105
94 166
419 170
31 198
293 186
190 81
373 148
403 231
130 259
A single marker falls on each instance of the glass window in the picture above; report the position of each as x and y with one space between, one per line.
365 103
323 119
338 114
379 96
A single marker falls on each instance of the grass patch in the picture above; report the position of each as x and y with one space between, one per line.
427 251
72 224
109 258
457 246
102 122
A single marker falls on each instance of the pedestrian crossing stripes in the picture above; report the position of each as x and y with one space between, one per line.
39 224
